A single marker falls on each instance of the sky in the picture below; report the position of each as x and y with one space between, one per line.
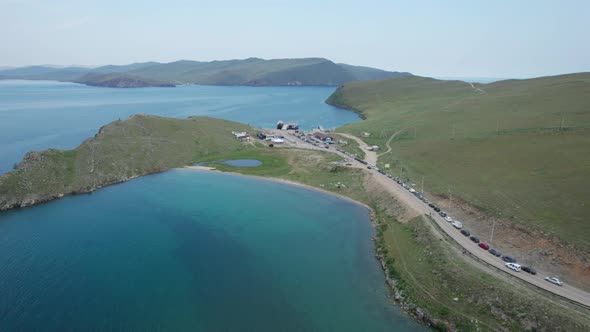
504 39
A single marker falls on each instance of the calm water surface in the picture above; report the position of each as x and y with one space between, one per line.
36 115
193 251
243 162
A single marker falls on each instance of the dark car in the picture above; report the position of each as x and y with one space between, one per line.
495 252
431 205
465 232
436 208
529 269
474 239
508 259
442 214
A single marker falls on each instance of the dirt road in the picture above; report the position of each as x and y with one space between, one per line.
370 156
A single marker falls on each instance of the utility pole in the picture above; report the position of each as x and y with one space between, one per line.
562 121
422 190
493 227
450 198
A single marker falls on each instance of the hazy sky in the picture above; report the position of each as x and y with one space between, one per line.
495 38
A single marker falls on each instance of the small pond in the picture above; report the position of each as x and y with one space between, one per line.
243 162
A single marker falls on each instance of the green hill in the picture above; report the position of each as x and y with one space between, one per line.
252 71
518 148
121 81
121 150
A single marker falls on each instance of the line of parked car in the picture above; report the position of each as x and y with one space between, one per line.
510 261
309 138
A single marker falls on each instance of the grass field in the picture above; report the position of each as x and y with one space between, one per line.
136 146
516 148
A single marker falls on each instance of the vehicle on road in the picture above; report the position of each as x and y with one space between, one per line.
554 280
495 252
442 214
513 266
449 219
474 239
508 259
436 208
457 224
465 232
484 246
431 205
529 269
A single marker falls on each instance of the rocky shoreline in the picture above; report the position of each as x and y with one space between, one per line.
410 308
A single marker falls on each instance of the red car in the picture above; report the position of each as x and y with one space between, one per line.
484 245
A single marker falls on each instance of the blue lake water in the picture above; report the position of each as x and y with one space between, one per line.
36 115
193 251
243 163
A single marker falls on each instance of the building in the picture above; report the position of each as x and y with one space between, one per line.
365 134
241 136
278 141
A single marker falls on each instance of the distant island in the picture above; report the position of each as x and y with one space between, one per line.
121 81
246 72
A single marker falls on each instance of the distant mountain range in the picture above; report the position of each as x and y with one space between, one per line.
249 72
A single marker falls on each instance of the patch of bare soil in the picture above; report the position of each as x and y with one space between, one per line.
386 201
528 246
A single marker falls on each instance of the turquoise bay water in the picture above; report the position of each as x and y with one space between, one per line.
37 115
193 251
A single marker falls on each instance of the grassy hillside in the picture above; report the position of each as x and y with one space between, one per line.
252 71
121 150
121 81
516 148
362 73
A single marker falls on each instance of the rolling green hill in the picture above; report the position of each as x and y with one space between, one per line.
252 72
120 150
121 81
515 148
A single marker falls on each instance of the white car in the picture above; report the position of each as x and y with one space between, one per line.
554 280
449 219
457 224
513 266
412 190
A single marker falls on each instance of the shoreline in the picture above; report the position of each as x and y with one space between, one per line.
278 180
396 295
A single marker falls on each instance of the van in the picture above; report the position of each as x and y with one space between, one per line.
513 266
